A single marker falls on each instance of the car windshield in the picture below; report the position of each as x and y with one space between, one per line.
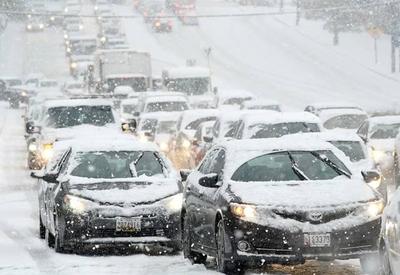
75 86
13 82
385 131
189 86
291 166
117 164
170 106
281 129
351 149
48 84
138 84
236 100
345 122
66 116
129 108
166 127
195 124
148 125
265 107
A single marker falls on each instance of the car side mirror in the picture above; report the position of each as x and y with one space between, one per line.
371 176
195 142
208 139
185 174
37 175
210 181
32 129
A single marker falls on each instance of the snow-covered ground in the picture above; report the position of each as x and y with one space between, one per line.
267 55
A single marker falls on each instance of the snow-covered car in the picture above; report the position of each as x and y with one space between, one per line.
34 79
261 104
109 192
18 95
232 98
379 134
6 82
278 201
47 83
128 107
194 82
74 88
69 119
349 119
163 102
158 127
121 93
388 262
35 25
272 124
160 24
181 143
202 141
317 107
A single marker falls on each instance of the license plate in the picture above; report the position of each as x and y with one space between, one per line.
128 225
317 240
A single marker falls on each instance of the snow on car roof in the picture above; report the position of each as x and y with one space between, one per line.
161 116
272 117
77 102
189 116
384 120
166 99
260 102
112 144
125 75
225 94
129 101
188 72
324 115
336 135
322 105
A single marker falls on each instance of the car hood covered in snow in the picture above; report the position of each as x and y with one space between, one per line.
302 194
143 190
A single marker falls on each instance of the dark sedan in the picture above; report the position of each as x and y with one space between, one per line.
255 202
109 193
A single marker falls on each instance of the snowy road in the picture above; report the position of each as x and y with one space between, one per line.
266 55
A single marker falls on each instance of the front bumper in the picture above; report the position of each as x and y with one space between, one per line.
96 230
271 245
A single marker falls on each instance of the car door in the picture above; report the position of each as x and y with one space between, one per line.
209 199
193 198
391 228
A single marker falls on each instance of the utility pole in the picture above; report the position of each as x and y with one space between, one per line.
297 12
208 52
393 54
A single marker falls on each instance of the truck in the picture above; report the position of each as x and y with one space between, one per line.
123 67
194 82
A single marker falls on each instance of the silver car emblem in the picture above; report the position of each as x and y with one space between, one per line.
315 216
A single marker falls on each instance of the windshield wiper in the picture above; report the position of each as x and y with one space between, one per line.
132 165
296 169
331 164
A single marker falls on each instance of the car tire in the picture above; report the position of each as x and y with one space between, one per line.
224 265
49 238
194 257
42 229
370 264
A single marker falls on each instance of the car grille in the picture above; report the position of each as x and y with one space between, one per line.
306 216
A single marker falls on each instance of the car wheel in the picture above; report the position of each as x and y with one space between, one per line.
370 264
224 265
42 229
49 238
194 257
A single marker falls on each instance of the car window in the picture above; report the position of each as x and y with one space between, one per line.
281 129
345 122
195 124
204 167
363 130
217 163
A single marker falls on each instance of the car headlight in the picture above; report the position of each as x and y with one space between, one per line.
186 143
375 183
41 26
80 27
174 203
52 18
73 65
66 37
76 204
68 50
29 27
103 39
379 155
33 147
243 210
24 93
372 209
48 151
164 146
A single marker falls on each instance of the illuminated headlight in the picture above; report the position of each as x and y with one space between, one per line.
96 8
103 39
29 27
66 37
76 204
32 147
186 143
52 18
68 50
379 155
66 10
375 183
243 210
41 26
174 203
164 146
73 65
48 151
24 93
372 209
80 27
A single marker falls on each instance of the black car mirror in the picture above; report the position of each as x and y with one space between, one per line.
195 142
210 181
370 176
51 178
207 139
184 174
31 128
37 175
